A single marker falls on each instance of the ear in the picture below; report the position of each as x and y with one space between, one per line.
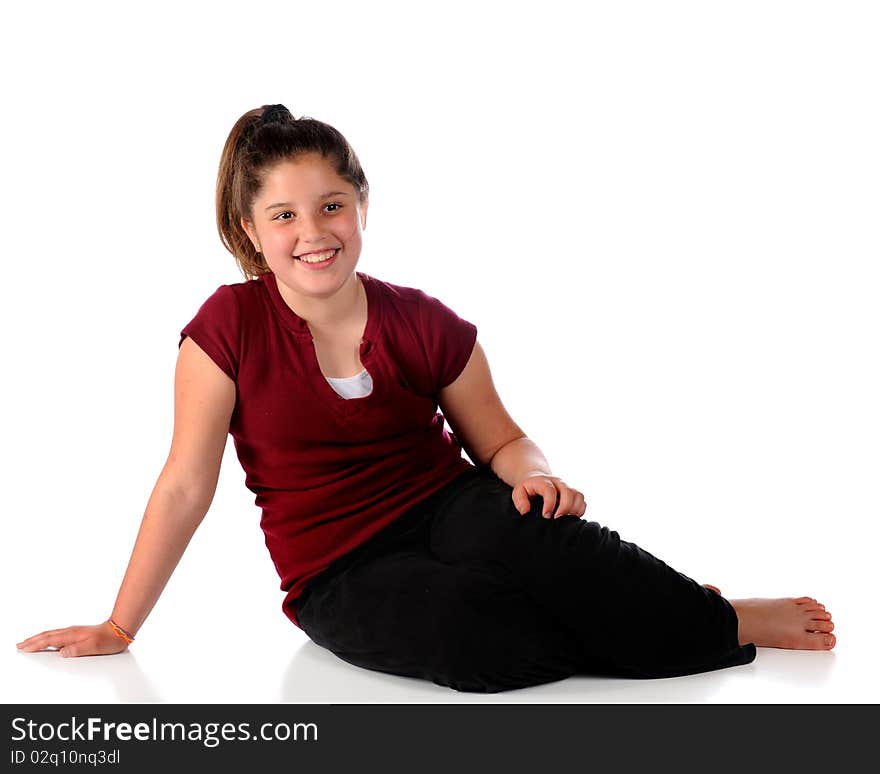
364 207
252 233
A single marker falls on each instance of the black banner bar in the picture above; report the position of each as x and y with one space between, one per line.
449 737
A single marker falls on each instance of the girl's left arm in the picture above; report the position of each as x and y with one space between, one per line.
490 437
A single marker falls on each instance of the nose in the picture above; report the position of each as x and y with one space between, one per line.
310 230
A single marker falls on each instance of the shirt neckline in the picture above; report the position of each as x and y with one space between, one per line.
299 327
296 324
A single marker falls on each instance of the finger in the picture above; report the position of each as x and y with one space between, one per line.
36 642
569 503
35 637
521 500
550 495
79 647
56 639
580 506
564 506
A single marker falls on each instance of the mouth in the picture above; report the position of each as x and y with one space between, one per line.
322 256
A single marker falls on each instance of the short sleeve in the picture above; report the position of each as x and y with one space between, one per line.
448 339
216 328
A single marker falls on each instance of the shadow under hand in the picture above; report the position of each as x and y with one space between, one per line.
122 670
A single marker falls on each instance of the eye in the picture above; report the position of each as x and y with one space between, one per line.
288 212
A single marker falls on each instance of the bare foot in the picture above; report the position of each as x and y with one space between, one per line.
799 623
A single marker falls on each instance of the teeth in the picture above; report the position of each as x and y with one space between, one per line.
318 257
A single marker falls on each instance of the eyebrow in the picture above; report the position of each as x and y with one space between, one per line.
323 196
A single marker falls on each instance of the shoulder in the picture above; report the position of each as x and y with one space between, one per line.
392 293
406 298
234 295
244 291
226 307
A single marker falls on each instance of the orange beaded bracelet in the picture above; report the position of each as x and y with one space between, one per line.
120 632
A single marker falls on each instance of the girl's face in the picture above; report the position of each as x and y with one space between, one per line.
305 207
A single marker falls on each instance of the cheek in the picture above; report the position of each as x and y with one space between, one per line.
282 238
349 230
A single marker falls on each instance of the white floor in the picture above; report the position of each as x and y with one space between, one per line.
218 635
273 664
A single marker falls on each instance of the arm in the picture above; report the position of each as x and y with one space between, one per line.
204 398
519 459
169 522
490 437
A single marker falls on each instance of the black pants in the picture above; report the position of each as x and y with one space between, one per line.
465 591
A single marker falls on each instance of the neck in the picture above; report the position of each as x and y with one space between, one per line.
327 311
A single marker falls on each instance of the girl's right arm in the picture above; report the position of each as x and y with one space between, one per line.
204 398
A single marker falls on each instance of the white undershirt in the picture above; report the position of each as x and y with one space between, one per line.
357 386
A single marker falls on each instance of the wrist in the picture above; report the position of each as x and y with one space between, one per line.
518 460
536 472
123 634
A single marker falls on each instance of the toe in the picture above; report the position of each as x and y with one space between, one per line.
820 626
819 641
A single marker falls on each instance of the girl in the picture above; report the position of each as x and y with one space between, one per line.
395 552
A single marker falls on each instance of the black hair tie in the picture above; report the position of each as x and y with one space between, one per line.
275 114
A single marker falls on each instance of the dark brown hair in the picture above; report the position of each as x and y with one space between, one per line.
259 140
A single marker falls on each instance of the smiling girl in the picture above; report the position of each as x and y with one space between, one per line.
394 551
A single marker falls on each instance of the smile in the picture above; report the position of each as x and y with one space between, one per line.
321 257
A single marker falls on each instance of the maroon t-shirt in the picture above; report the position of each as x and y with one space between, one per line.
330 472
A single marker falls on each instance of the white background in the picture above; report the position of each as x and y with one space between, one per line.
662 217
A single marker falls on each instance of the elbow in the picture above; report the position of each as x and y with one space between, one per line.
192 500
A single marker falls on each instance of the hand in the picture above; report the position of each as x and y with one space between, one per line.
72 641
551 489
